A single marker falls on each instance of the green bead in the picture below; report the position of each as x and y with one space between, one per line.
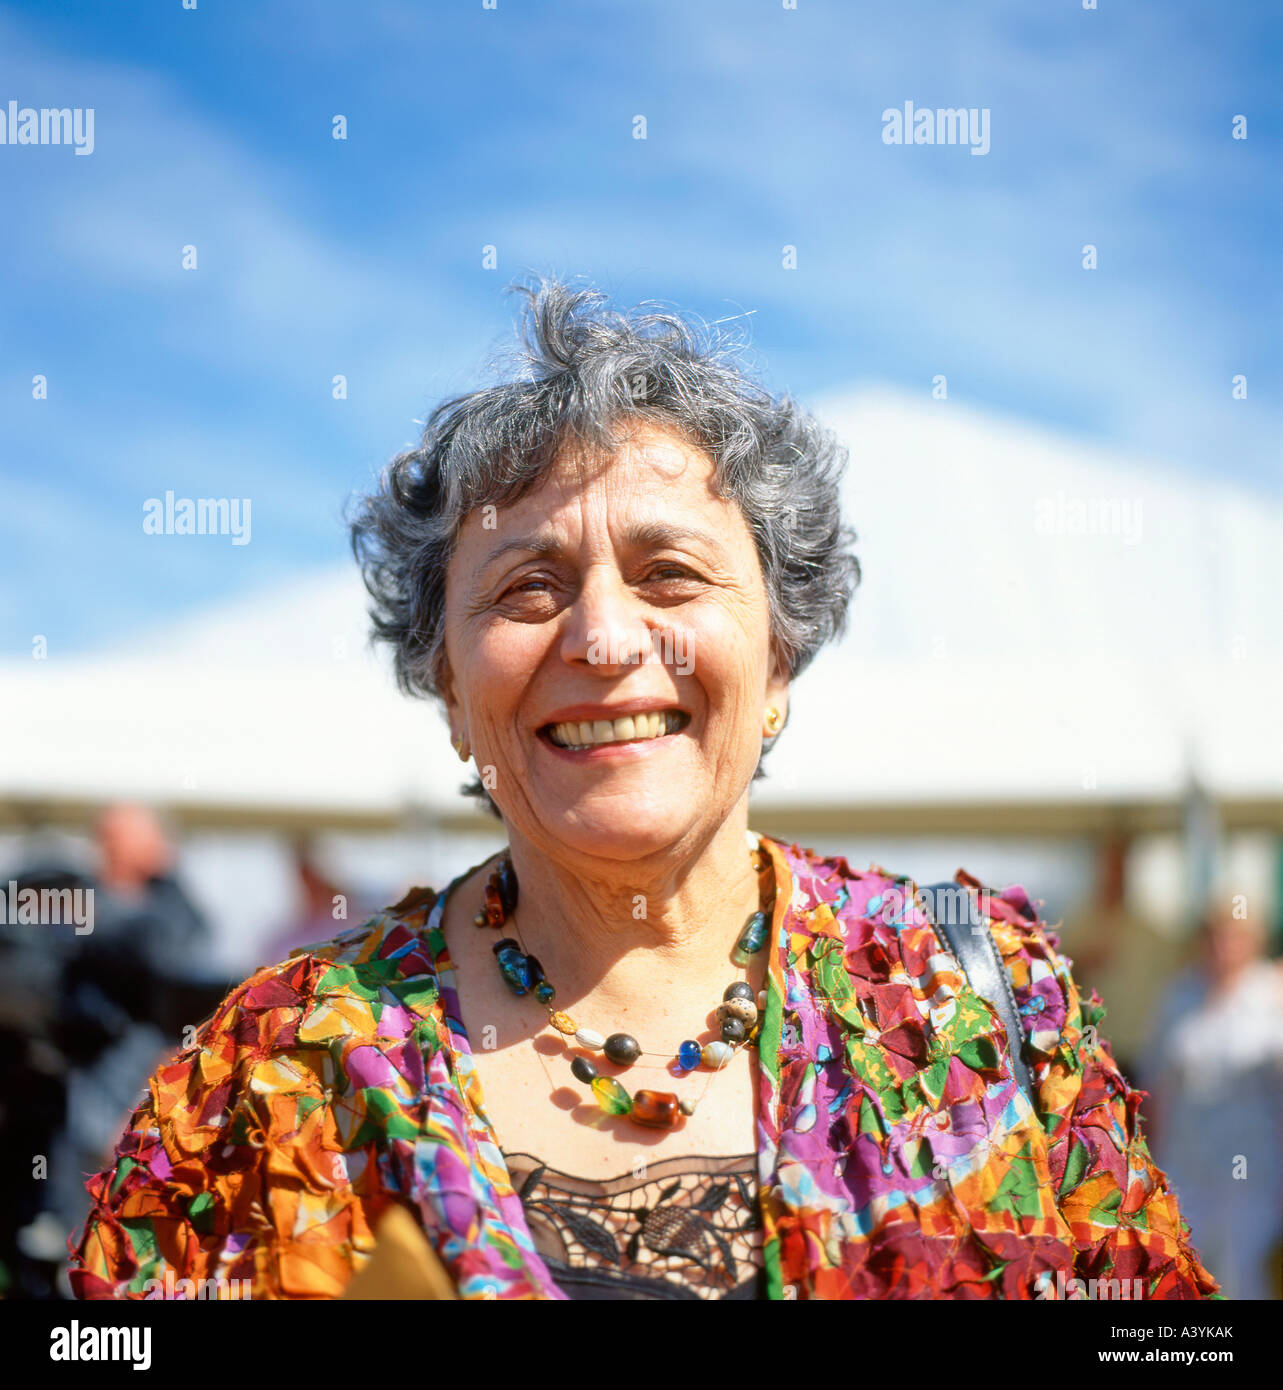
544 992
752 939
611 1096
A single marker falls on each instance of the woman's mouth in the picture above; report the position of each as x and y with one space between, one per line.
577 735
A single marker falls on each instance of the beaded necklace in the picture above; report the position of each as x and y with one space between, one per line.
739 1013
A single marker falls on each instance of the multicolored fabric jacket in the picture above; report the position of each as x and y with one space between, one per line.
897 1156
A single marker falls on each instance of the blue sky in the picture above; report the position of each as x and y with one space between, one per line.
513 127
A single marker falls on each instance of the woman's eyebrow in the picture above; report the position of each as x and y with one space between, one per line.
653 535
645 535
530 545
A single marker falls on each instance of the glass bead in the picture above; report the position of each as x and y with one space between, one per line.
687 1107
716 1055
584 1069
495 914
611 1096
563 1023
544 992
506 882
590 1038
688 1056
622 1048
752 939
658 1109
515 969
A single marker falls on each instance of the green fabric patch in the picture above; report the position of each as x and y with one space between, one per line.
383 1119
980 1054
1075 1168
123 1170
142 1240
1105 1213
200 1212
1018 1192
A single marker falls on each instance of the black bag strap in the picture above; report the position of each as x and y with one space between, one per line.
976 952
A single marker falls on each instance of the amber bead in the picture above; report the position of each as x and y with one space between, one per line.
658 1109
493 905
563 1022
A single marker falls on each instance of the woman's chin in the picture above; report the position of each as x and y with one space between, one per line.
613 830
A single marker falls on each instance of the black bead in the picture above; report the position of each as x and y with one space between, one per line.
503 945
741 989
733 1031
622 1048
584 1070
536 970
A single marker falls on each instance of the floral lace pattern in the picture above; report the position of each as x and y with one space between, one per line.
685 1227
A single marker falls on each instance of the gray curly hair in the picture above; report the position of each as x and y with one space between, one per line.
584 372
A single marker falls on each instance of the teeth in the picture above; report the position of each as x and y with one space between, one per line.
630 728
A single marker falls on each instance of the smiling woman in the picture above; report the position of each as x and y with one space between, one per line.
709 1064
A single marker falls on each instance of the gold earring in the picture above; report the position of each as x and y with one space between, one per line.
462 747
772 720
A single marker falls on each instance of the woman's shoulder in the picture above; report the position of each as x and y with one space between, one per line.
383 961
902 907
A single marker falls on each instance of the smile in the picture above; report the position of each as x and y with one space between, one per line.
635 728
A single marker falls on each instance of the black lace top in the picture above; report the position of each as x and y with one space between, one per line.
681 1228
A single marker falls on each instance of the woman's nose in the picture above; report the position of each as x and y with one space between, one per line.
606 625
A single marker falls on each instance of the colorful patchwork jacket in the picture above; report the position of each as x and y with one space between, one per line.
897 1156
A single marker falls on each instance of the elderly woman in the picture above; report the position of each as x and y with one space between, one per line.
643 1052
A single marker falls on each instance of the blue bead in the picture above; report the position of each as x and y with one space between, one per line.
688 1056
544 992
515 969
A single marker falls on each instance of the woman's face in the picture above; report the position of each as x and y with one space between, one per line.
621 591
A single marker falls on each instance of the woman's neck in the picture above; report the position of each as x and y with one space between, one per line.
612 932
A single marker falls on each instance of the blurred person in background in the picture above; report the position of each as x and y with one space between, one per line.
1214 1065
86 1018
323 906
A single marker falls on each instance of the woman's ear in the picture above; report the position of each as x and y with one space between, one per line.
777 690
445 685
